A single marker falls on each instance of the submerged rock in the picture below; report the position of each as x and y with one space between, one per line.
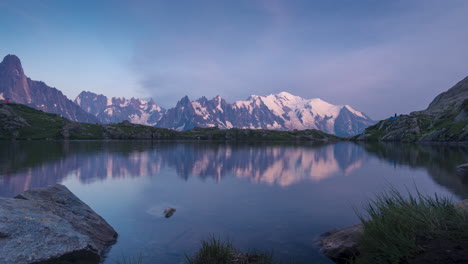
52 225
168 212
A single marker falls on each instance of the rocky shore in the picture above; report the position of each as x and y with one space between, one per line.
52 225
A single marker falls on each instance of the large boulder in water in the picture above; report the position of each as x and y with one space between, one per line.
51 225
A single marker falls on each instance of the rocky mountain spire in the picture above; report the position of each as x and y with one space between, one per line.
20 89
12 64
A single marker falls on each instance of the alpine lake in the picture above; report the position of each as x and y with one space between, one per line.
268 197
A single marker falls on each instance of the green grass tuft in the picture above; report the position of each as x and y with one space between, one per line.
398 226
213 250
217 251
130 260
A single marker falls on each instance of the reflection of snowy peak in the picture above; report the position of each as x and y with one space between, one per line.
281 111
118 109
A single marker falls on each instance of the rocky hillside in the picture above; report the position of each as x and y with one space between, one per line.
15 86
445 120
23 122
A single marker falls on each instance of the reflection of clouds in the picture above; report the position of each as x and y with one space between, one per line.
273 165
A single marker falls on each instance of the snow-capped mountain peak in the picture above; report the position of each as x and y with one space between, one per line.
118 109
282 111
360 114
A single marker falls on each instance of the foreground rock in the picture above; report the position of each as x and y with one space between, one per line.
51 225
341 244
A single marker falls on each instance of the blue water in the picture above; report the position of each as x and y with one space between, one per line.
268 197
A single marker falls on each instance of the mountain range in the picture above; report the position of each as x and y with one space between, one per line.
282 111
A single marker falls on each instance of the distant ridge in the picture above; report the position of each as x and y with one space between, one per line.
25 123
282 111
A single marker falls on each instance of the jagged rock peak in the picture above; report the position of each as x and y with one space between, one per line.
89 93
12 62
184 100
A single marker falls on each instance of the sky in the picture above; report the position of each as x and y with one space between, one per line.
380 57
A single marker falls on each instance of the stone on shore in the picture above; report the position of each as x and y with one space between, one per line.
52 225
340 244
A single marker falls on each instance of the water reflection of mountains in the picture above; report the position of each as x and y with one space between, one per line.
440 161
28 164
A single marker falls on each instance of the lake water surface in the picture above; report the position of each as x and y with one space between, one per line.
268 197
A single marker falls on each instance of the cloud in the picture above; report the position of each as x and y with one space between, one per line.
395 63
400 75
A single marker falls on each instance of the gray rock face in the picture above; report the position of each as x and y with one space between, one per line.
51 225
452 98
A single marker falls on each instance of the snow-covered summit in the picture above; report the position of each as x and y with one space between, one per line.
117 109
282 111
